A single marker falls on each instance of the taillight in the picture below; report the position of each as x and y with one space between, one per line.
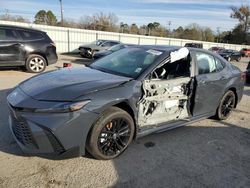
243 76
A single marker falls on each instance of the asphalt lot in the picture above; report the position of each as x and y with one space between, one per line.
204 154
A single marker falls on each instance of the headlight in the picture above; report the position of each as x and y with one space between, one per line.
65 107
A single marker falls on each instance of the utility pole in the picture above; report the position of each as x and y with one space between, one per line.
61 12
218 32
169 27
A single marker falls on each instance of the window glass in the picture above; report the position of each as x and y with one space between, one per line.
130 62
106 44
206 63
219 65
30 35
8 34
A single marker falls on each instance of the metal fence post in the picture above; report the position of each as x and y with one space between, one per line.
139 40
96 36
68 41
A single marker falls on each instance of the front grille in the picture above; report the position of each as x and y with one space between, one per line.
23 134
57 146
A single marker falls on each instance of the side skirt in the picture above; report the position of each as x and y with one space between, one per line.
170 126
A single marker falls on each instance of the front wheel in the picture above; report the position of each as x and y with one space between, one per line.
111 134
35 64
226 106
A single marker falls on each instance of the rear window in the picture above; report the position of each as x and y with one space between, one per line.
8 35
31 35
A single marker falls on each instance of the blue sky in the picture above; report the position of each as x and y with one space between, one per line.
211 13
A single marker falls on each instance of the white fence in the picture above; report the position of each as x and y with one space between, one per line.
69 39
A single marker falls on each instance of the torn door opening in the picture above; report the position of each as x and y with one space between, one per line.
166 96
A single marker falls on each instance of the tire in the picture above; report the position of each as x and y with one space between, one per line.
104 141
35 64
226 106
238 59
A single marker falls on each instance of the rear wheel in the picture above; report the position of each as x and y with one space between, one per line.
111 134
35 64
226 106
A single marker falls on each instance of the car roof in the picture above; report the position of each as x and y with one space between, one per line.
165 48
18 27
104 40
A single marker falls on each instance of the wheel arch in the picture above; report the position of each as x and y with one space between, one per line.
123 105
127 108
233 89
37 53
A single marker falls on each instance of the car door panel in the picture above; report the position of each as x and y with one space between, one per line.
11 52
209 90
164 101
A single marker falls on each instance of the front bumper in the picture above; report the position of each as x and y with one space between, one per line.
52 135
87 52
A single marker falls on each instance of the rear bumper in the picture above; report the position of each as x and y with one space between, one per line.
51 55
52 59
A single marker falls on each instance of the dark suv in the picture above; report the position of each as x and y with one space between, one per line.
26 47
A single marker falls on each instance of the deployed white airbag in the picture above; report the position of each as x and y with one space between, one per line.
178 55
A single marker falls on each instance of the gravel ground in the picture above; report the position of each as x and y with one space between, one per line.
204 154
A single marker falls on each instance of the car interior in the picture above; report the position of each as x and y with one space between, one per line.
173 70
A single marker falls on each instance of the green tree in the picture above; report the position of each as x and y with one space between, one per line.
150 26
47 18
124 28
40 17
208 35
134 29
242 14
51 18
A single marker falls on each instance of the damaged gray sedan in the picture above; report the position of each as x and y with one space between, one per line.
126 95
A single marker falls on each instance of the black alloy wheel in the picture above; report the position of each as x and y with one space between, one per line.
114 137
226 106
111 134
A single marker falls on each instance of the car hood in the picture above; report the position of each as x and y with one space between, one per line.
70 83
103 53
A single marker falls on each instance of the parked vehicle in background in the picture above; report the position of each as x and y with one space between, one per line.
245 52
194 45
230 55
131 93
88 50
109 51
26 47
216 49
248 74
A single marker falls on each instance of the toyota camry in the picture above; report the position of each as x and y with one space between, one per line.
131 93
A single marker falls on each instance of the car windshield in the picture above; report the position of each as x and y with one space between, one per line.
129 62
225 51
116 47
